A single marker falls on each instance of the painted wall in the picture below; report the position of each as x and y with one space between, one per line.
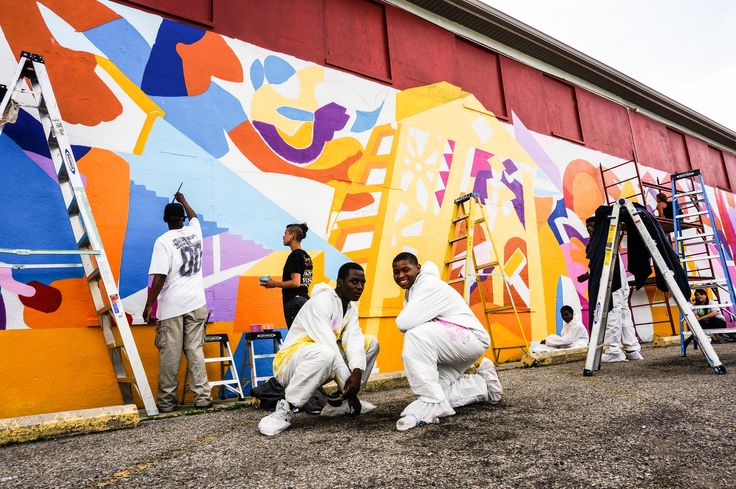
259 140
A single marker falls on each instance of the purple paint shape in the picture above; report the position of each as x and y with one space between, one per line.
526 139
208 257
517 188
480 187
221 299
235 251
327 121
46 164
3 319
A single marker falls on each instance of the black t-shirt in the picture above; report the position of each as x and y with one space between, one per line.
297 262
667 211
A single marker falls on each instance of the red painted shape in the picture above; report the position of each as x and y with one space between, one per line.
730 163
353 202
421 52
293 27
652 143
562 109
678 150
524 94
716 172
356 37
605 125
479 72
46 299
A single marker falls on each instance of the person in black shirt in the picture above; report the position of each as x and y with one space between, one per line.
297 274
664 206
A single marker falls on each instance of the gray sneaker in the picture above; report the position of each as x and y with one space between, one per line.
277 421
613 357
634 355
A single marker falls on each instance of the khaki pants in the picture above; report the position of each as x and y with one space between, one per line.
174 335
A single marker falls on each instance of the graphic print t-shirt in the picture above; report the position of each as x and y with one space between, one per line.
178 254
297 262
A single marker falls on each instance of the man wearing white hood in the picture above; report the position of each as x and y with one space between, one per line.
573 334
324 343
442 339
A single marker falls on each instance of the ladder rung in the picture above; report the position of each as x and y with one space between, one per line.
94 275
691 214
704 284
215 383
690 202
262 378
83 241
104 309
712 305
499 309
699 258
719 330
126 380
685 194
461 218
454 260
456 280
63 174
695 236
486 265
73 207
218 359
458 238
115 344
265 355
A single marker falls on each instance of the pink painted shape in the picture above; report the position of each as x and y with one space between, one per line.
8 283
480 161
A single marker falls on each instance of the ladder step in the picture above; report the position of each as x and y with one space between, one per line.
699 258
215 383
486 265
116 344
499 309
691 214
690 203
265 355
218 359
705 284
126 380
454 260
83 241
104 310
73 207
712 305
458 238
461 218
695 236
94 275
456 280
686 194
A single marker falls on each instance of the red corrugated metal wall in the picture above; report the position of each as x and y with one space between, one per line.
397 48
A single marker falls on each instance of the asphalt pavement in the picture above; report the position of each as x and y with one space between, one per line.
663 422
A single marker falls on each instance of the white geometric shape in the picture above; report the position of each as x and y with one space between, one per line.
384 147
482 129
406 179
413 229
376 176
422 194
357 241
400 211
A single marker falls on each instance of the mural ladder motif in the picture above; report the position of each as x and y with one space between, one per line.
600 315
116 330
629 172
468 213
699 249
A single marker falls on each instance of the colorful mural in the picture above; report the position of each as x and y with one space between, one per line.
259 140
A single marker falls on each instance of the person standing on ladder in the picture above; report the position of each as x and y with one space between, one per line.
442 339
620 327
176 268
297 275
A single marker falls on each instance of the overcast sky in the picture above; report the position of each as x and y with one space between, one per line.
685 49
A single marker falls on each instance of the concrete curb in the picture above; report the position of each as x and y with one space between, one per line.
553 357
40 426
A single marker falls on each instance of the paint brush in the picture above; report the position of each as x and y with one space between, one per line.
177 191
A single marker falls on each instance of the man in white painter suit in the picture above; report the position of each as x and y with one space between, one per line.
324 343
442 339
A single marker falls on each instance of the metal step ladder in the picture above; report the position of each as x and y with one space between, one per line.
250 356
467 214
226 361
126 361
600 316
699 247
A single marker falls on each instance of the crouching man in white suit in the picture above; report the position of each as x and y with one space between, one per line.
324 343
442 339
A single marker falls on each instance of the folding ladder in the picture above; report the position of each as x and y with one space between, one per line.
226 361
468 213
699 247
600 316
250 356
105 295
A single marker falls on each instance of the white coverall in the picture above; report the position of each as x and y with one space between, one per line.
573 335
620 327
442 338
323 345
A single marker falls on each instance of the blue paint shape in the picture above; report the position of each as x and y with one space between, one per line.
33 216
164 74
28 134
296 114
264 366
559 212
364 121
256 74
124 46
277 70
205 118
79 152
145 224
170 158
559 302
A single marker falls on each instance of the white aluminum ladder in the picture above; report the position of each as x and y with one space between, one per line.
115 328
600 316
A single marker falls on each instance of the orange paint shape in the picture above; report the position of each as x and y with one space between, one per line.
108 191
353 202
209 57
257 305
76 309
82 14
82 97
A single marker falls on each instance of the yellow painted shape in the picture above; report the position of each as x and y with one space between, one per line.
415 100
146 104
514 263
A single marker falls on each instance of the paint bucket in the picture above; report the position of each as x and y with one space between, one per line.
255 328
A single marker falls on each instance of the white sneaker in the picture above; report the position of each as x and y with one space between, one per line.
613 357
634 355
277 421
487 370
412 421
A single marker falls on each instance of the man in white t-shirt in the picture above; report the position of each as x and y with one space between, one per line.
176 268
